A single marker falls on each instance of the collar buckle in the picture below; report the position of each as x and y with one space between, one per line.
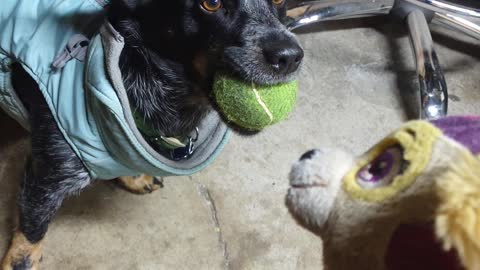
181 153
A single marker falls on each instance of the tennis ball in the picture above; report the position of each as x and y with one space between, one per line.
254 106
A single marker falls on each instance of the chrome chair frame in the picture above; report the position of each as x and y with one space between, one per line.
417 14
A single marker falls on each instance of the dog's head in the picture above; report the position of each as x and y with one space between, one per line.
174 48
244 37
250 36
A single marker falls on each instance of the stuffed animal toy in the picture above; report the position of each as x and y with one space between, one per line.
411 202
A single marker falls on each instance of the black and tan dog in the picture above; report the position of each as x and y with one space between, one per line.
172 50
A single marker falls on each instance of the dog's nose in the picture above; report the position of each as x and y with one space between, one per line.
284 55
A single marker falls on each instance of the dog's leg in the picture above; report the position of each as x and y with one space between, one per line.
22 254
142 184
44 188
53 173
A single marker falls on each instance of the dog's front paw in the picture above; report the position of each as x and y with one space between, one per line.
22 255
142 184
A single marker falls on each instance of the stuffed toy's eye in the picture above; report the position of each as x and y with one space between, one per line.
383 169
278 2
211 5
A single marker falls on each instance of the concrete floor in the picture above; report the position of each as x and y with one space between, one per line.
232 215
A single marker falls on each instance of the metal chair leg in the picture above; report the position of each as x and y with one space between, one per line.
309 12
433 88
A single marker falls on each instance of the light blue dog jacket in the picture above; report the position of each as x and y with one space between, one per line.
87 99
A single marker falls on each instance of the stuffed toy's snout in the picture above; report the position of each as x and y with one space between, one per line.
315 180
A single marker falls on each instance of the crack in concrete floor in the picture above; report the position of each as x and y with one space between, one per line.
204 192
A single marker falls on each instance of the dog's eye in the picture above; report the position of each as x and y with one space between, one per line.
211 5
278 2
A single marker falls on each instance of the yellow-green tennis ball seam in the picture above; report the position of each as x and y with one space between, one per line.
270 95
246 105
229 102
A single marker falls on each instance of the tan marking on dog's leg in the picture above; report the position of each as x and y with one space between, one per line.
142 184
21 249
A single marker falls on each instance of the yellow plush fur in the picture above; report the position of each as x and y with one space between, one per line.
458 218
416 138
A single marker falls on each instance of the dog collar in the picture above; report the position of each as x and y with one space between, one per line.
175 148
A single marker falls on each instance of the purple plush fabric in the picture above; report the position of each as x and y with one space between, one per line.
463 129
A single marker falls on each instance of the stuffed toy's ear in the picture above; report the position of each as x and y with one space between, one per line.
457 221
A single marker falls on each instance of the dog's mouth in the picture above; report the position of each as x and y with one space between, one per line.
256 74
247 107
